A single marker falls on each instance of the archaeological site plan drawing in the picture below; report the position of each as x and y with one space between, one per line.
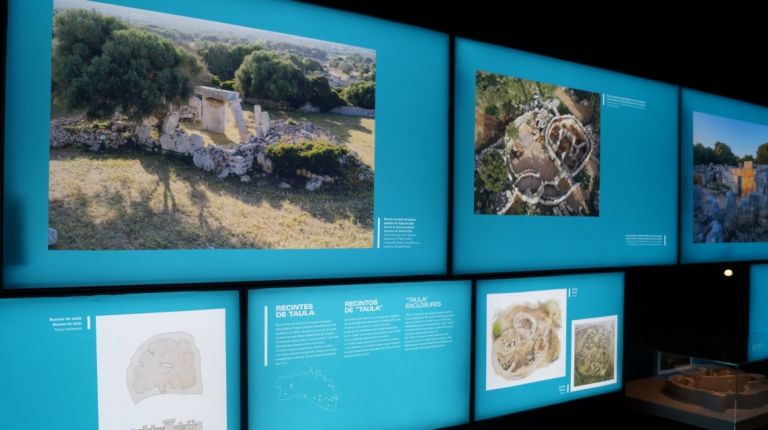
168 363
153 368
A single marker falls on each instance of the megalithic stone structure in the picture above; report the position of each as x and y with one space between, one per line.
214 110
256 115
197 107
264 123
237 112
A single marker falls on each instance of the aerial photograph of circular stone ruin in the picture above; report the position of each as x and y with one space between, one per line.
730 180
537 148
593 352
170 132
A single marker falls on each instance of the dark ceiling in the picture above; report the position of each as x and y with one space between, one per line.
716 49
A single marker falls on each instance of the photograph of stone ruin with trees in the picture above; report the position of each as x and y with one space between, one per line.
170 132
730 180
537 148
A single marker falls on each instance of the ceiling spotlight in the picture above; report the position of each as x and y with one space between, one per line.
728 273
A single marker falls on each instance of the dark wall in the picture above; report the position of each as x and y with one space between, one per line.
714 49
689 310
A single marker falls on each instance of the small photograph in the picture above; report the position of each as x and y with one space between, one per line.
170 132
672 363
526 337
161 369
593 352
537 148
730 180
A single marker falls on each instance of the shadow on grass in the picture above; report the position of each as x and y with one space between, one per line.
134 224
164 183
328 204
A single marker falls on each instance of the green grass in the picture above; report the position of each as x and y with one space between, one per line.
230 137
132 200
356 133
508 89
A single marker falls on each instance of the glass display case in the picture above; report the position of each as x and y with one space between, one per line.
705 393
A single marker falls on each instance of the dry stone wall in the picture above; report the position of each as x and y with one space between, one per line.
722 213
242 160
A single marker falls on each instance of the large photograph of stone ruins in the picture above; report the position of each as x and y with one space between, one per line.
170 132
730 180
537 148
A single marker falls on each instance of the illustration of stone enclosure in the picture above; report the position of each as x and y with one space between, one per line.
248 157
525 338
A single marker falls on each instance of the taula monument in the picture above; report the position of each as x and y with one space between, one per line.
213 110
242 159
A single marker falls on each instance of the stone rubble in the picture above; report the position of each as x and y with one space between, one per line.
309 108
171 122
242 160
354 111
196 107
264 124
727 205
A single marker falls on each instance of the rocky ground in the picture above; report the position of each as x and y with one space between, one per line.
721 215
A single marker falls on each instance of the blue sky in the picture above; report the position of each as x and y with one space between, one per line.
743 137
